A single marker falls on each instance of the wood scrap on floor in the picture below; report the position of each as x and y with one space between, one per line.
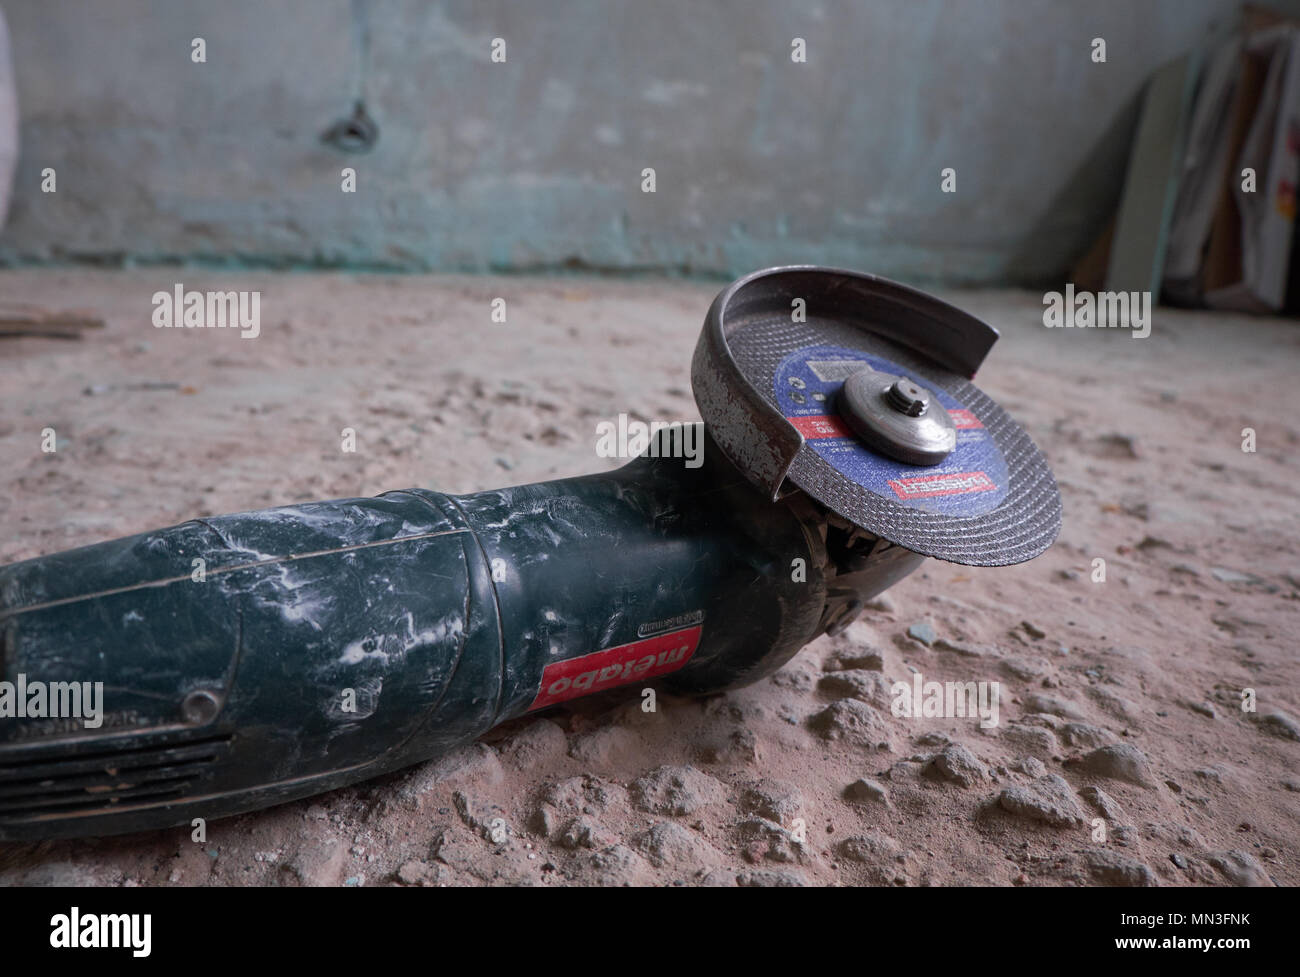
35 320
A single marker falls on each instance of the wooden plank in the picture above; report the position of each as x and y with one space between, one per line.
1137 255
32 320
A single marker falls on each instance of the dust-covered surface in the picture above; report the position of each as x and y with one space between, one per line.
1120 700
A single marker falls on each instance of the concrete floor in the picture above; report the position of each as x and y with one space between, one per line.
1200 538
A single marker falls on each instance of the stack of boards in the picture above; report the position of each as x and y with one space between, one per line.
1208 211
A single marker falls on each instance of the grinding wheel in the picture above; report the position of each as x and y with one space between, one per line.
769 376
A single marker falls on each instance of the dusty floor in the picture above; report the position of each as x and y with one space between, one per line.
1121 699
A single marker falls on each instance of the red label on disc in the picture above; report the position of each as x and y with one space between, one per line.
813 426
928 486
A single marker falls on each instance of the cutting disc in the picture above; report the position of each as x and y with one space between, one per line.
768 376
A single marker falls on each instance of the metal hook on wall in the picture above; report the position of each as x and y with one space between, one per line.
358 132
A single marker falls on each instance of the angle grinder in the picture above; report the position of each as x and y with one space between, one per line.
252 659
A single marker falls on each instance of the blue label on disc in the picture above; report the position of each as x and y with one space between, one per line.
969 482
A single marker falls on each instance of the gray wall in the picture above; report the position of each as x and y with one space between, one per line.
536 163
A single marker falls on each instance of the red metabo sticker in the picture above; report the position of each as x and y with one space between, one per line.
640 660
